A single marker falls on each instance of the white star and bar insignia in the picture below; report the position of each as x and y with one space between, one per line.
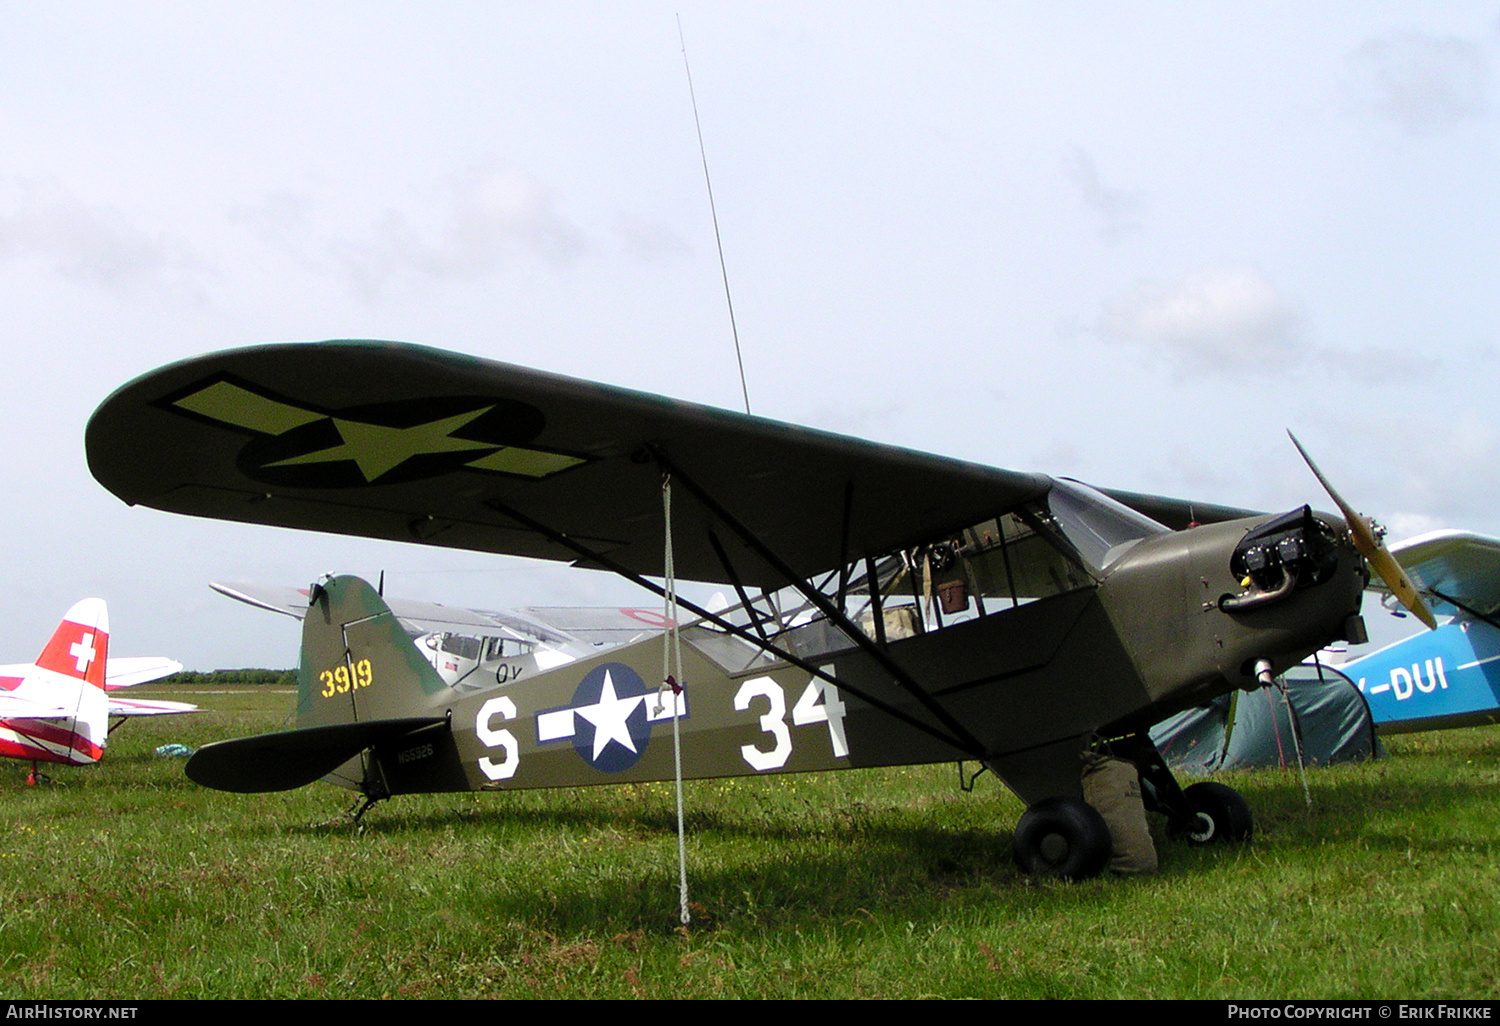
609 721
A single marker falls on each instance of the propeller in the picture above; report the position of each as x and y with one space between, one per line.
1362 531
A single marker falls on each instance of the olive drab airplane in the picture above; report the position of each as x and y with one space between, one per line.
893 606
59 709
1449 677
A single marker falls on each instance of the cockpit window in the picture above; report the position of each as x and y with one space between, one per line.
1043 548
1100 528
460 645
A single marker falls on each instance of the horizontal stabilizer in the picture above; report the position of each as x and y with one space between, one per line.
292 758
148 707
129 671
12 707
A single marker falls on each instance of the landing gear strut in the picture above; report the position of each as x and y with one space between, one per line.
1204 813
357 815
1067 838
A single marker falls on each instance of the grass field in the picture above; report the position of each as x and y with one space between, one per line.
124 880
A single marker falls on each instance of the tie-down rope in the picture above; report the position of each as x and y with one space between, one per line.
671 659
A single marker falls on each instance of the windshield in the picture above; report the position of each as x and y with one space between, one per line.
1100 528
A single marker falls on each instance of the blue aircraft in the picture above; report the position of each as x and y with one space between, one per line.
1448 677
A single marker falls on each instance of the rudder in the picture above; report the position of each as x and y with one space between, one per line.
79 650
361 685
79 647
357 662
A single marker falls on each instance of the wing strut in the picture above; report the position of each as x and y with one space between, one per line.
843 563
1456 604
877 602
739 588
960 739
834 614
671 661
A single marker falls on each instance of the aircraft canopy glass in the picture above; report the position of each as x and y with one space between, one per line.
1100 528
1058 544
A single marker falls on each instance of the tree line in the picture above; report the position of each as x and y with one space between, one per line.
285 678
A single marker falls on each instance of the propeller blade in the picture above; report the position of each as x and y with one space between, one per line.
1362 530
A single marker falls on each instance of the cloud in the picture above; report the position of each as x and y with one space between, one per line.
1227 320
1115 207
647 241
1234 321
1454 463
1403 525
275 216
495 214
1420 83
488 219
1376 365
87 243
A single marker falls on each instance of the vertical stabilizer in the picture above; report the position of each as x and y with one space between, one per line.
361 684
78 651
357 663
78 646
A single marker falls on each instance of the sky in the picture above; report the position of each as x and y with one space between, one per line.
1127 243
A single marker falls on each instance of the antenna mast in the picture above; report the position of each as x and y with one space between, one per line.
713 211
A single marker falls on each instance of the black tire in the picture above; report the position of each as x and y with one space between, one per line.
1220 815
1062 837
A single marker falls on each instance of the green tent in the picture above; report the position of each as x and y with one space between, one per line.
1245 729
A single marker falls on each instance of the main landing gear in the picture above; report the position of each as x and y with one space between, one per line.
1063 837
1067 838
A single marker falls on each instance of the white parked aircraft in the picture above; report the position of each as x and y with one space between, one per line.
58 708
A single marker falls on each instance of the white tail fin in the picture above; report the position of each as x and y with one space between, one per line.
78 646
78 650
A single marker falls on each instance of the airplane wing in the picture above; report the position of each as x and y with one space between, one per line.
1179 514
128 671
13 707
417 617
1458 569
147 707
289 601
553 624
389 440
597 625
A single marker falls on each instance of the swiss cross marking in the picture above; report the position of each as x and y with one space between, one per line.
83 652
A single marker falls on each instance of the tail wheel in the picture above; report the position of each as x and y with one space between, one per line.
1062 837
1220 815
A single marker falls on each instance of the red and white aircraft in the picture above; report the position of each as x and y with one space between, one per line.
57 709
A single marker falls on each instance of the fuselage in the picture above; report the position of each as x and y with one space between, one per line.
65 738
1449 677
998 648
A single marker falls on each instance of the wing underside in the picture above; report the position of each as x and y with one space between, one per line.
1458 570
395 441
